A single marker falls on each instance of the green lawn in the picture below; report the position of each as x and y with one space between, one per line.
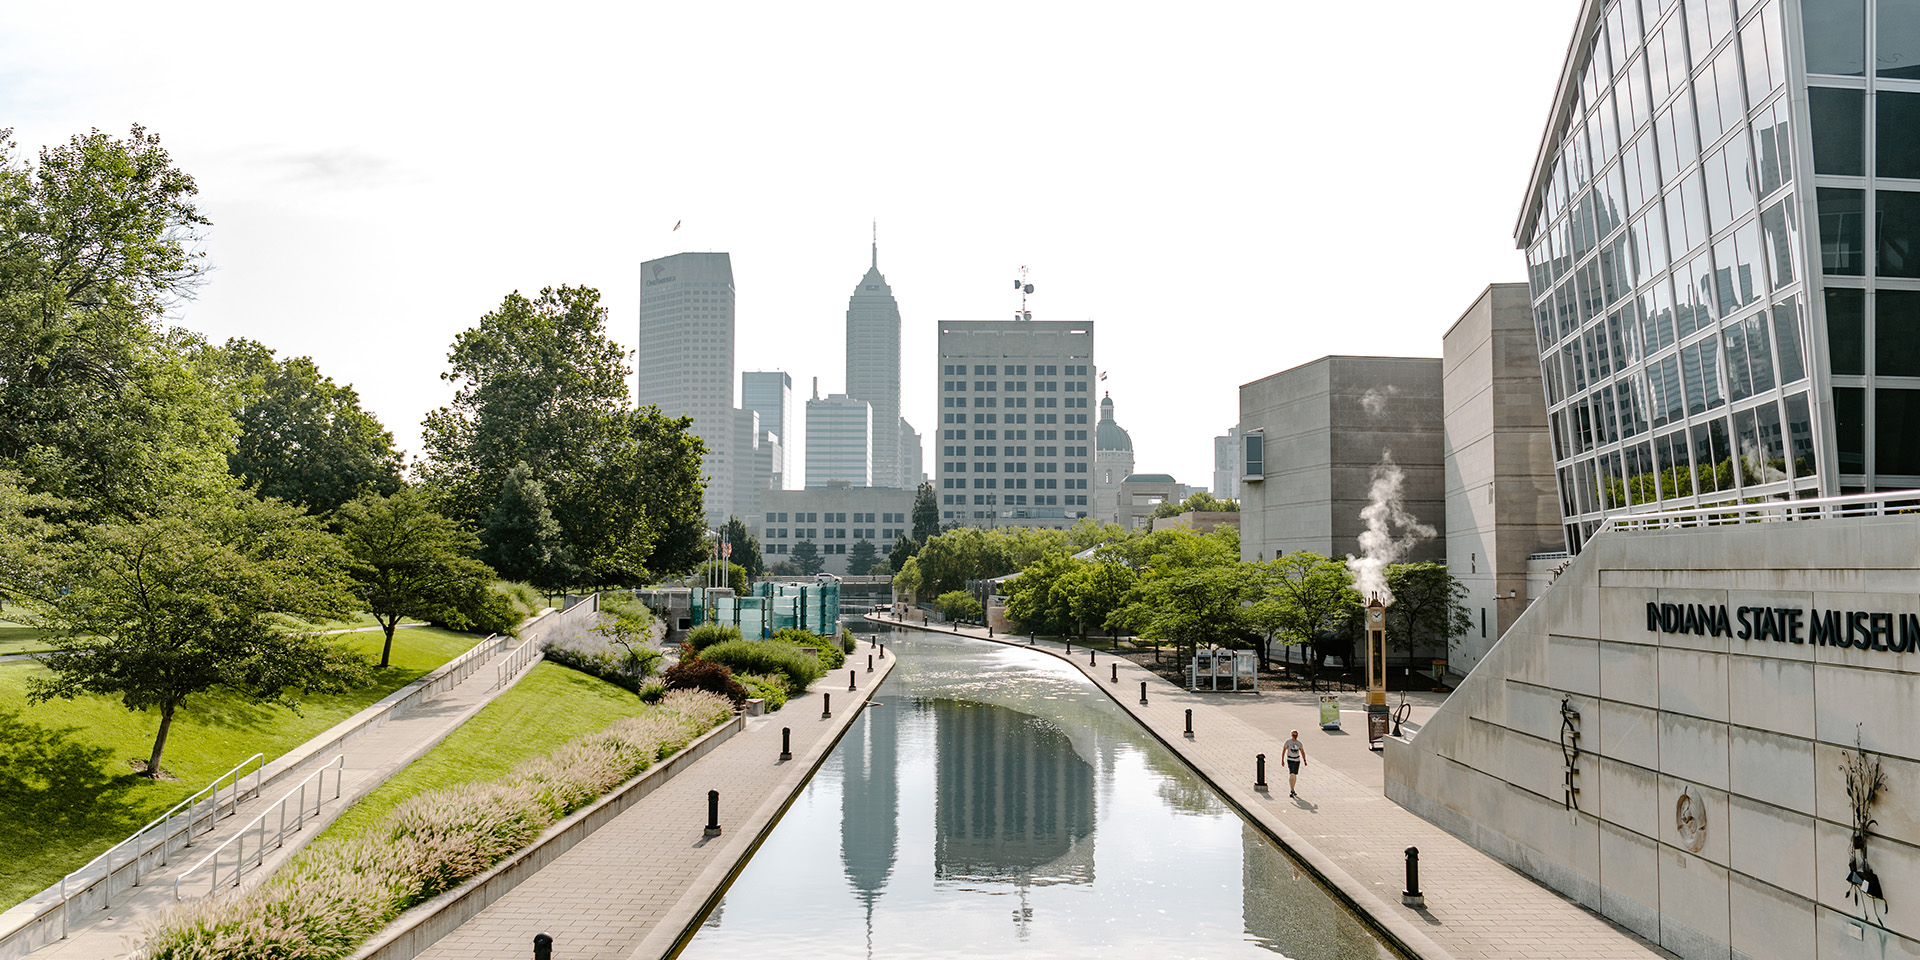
522 723
67 791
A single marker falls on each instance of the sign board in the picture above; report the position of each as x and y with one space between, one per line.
1376 727
1329 712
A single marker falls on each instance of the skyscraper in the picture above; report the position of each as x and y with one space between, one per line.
686 357
1015 404
769 393
1721 233
839 441
873 369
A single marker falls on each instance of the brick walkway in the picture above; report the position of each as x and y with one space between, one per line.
638 883
1347 830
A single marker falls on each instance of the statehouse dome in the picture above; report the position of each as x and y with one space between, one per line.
1110 435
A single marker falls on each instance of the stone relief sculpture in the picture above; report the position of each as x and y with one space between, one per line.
1865 780
1570 748
1690 821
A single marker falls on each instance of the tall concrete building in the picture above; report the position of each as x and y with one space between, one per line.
769 393
1501 504
756 455
685 363
1112 463
1311 439
1722 232
873 369
839 441
913 467
1015 430
834 517
1226 465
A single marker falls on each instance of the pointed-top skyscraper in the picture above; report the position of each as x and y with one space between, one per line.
873 368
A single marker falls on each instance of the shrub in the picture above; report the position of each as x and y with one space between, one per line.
771 687
708 634
332 896
652 691
526 600
769 656
627 668
847 643
705 675
827 650
958 605
481 611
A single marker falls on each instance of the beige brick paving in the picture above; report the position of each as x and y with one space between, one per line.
1477 907
639 881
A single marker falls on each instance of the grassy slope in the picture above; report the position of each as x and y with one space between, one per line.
520 724
67 792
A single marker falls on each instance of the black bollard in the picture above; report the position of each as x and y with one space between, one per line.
1143 693
883 651
542 947
786 743
713 813
989 631
1260 772
826 705
1030 639
869 663
872 642
1411 896
1116 674
1069 646
1090 655
851 684
1189 723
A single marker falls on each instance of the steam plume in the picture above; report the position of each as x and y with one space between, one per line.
1379 546
1374 401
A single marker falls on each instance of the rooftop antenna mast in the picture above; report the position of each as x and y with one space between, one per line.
1025 289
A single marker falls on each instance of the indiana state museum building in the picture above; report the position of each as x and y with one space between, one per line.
1707 728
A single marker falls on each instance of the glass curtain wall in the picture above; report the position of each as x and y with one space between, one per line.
1667 269
1863 105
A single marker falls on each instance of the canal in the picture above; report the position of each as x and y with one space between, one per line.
993 801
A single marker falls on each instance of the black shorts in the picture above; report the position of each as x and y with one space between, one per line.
1293 767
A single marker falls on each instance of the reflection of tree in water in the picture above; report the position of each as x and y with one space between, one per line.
870 803
1285 910
1179 789
1014 800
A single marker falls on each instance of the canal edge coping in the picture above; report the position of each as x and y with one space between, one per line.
676 929
1405 936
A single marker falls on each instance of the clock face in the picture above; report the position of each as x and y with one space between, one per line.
1373 615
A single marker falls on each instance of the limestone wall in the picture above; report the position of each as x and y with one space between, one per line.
1752 731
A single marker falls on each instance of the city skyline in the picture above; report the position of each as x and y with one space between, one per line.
984 151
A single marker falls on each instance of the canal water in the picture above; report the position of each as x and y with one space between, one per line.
993 802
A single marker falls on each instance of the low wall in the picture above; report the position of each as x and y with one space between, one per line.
1661 737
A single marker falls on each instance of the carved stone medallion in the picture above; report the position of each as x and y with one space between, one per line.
1690 821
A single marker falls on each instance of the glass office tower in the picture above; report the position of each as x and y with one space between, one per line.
1723 244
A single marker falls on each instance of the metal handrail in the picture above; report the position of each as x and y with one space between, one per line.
258 827
518 660
1768 511
211 792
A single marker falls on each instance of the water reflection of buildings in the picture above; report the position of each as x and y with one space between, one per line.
870 803
1014 800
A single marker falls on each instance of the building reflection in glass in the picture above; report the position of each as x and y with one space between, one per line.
1014 802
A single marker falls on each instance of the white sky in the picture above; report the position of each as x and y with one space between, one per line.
1226 190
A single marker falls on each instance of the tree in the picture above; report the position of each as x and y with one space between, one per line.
158 609
1426 606
907 582
522 540
1032 596
408 561
730 575
1087 533
1094 591
861 557
807 559
1303 595
24 538
99 404
950 559
1196 606
958 605
303 438
904 549
746 546
926 513
540 384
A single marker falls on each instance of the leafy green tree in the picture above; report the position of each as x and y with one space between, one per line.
958 605
904 549
158 609
540 384
302 438
861 557
522 540
746 546
25 538
806 558
1426 606
1196 606
731 575
100 405
1302 595
407 560
926 514
1094 591
952 558
907 581
1087 533
1034 598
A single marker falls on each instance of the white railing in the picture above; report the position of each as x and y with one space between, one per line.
258 831
522 657
1770 511
140 842
469 663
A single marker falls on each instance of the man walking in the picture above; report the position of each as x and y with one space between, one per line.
1296 754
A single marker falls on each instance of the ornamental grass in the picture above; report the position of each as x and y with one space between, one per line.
333 896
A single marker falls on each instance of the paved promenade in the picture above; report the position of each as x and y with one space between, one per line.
1343 825
371 758
634 886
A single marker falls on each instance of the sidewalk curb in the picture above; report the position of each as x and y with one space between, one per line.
1401 933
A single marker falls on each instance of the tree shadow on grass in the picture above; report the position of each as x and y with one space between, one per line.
53 782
